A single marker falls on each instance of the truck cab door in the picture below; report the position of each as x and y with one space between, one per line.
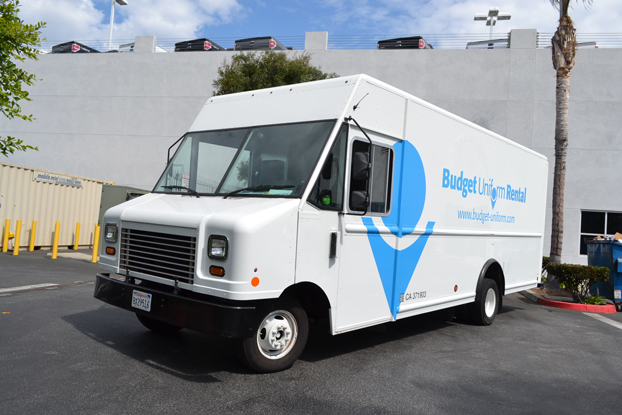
320 229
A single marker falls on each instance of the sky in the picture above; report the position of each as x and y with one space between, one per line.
223 21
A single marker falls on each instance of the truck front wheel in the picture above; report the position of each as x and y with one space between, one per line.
279 340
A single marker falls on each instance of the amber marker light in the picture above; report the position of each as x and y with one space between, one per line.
217 271
456 288
110 250
255 282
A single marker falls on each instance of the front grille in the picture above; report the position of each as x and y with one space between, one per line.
160 254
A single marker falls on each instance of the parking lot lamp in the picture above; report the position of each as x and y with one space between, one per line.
492 17
122 3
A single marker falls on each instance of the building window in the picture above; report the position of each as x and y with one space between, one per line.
595 224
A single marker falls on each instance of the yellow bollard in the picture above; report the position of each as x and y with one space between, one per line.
33 233
95 243
56 235
18 232
75 244
5 238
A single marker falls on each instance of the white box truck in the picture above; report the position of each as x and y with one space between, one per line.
346 199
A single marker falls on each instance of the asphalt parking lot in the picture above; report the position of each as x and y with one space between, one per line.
64 352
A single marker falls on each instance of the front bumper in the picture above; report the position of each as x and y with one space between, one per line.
227 320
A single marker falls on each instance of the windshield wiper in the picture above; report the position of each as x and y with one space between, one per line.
260 187
189 190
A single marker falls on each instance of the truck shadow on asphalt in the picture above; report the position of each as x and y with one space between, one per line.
194 356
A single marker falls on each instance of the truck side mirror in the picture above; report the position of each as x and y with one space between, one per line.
359 200
360 165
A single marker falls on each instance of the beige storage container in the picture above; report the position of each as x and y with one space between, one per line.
29 195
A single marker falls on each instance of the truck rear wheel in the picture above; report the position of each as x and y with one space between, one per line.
279 340
157 325
484 310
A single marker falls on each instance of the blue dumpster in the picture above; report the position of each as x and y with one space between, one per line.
607 253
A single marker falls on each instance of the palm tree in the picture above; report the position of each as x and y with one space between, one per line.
564 43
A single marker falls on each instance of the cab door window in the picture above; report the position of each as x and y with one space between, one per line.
370 188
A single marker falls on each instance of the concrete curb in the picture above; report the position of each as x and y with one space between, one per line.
590 308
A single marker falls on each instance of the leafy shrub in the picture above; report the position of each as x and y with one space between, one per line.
595 299
545 262
578 278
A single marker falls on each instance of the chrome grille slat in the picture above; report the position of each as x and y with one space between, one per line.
140 253
146 261
159 254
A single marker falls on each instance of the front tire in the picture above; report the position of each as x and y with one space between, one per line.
279 339
484 310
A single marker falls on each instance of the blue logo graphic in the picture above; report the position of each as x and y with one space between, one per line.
493 197
396 268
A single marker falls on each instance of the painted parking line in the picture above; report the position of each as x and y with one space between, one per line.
605 320
26 288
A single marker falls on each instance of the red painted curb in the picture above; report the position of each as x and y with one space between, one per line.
608 308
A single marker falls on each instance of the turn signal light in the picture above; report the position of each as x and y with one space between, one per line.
217 271
110 250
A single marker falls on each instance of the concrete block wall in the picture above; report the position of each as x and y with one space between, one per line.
113 116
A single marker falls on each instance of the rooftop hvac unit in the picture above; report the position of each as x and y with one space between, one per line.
72 47
413 42
259 43
197 45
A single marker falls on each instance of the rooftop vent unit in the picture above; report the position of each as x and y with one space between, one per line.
259 43
72 47
197 45
413 42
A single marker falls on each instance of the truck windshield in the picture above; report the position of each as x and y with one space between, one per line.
274 160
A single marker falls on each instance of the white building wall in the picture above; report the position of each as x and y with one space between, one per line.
113 116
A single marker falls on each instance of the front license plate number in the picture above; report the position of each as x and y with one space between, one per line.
141 301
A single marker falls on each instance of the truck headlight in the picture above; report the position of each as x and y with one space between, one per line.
217 247
111 232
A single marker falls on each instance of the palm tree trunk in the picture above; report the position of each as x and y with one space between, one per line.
559 176
564 44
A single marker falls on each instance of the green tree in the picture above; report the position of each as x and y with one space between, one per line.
249 71
16 45
564 44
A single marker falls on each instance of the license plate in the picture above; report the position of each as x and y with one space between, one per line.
141 301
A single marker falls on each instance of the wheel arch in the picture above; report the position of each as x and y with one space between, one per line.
311 296
492 270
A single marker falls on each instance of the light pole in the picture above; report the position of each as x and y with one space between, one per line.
492 17
122 3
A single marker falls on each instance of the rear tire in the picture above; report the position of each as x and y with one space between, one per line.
279 339
484 310
157 325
